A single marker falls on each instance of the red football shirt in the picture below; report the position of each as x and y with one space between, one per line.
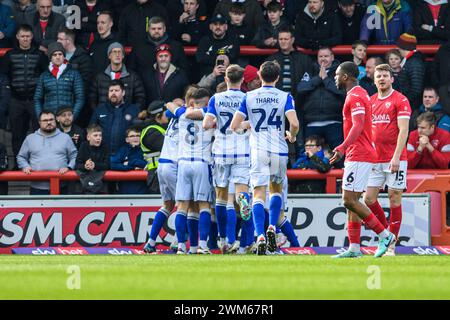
357 102
385 113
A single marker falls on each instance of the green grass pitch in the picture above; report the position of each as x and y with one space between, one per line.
224 277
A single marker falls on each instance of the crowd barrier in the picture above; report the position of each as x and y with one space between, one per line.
434 182
338 50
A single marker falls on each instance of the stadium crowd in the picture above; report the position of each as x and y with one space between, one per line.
69 81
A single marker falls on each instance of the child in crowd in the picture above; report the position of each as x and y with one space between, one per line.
359 52
267 34
394 59
237 27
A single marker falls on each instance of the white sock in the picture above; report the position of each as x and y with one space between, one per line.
182 246
203 244
383 234
354 247
152 242
193 249
241 250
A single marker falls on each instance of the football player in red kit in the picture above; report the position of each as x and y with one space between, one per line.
359 151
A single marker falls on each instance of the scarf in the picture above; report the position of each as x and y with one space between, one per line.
57 71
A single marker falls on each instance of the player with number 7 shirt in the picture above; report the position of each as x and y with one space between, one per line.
359 152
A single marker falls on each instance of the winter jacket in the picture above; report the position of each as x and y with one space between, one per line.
99 52
46 152
7 26
114 122
318 161
243 33
411 79
23 68
20 14
55 23
440 32
313 33
253 13
176 9
207 51
196 28
391 27
5 96
175 84
89 26
67 90
301 67
320 99
143 56
438 159
135 158
134 21
99 155
266 31
81 62
443 119
351 26
134 89
369 85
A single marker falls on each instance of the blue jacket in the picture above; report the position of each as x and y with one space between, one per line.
318 162
114 122
51 93
135 158
7 26
390 27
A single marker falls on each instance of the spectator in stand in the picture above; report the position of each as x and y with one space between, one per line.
394 59
385 23
428 146
115 116
104 37
432 22
321 100
431 104
5 98
46 149
253 14
317 27
89 10
359 52
21 8
411 77
45 24
166 81
177 9
219 41
143 56
351 14
135 93
92 161
59 85
130 157
440 70
117 7
134 23
292 8
367 82
7 26
243 32
217 76
251 79
23 65
267 34
294 65
64 117
190 26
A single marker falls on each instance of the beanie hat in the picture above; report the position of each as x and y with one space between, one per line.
53 47
163 48
250 73
115 45
407 42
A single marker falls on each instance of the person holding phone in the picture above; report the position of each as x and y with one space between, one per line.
217 76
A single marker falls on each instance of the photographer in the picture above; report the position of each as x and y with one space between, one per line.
217 76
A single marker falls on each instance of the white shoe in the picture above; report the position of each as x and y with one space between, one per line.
390 251
261 245
203 251
181 251
234 248
281 239
223 245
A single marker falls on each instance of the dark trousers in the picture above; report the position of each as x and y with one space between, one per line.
41 192
21 113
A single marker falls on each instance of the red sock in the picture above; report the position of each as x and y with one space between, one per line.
396 220
379 213
354 232
373 223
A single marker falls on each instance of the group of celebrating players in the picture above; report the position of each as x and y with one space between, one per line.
221 155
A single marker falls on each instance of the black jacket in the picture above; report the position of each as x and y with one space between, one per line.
301 66
99 52
411 79
313 33
55 22
175 7
74 132
351 26
89 26
99 155
196 28
207 51
321 100
134 89
266 31
23 68
175 85
253 13
81 62
440 32
142 57
134 21
367 84
243 33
